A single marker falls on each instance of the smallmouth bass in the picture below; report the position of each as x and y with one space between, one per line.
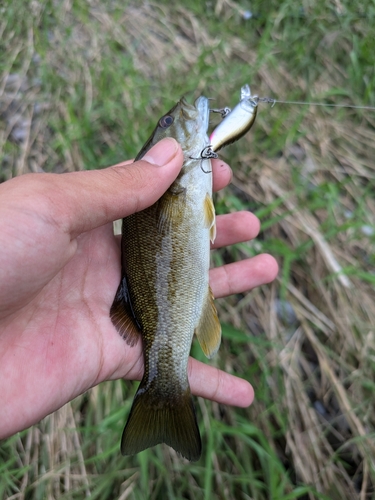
164 294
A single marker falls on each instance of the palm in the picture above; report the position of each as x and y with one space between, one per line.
66 329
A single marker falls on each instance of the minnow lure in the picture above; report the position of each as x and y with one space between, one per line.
235 122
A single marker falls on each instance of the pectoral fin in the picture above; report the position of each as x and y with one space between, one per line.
209 216
122 315
208 330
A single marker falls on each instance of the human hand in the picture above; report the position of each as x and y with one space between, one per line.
59 271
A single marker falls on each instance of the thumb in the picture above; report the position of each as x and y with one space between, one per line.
93 198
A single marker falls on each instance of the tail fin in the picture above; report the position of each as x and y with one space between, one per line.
162 420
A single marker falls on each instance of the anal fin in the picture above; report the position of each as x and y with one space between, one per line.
208 331
122 315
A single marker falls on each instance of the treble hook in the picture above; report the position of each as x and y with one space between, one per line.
206 154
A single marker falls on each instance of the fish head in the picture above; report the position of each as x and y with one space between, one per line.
187 123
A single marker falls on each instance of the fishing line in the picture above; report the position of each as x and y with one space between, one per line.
271 100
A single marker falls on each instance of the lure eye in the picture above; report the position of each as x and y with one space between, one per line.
166 121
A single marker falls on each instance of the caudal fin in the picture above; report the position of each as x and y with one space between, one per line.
162 420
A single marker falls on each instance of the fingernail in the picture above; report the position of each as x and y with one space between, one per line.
163 152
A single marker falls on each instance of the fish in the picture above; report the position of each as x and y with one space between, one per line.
164 295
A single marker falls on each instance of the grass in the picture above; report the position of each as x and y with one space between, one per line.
77 80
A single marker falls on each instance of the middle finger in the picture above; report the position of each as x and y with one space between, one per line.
222 174
235 228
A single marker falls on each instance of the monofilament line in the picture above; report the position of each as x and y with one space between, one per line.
303 103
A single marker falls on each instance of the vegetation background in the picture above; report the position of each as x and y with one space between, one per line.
82 84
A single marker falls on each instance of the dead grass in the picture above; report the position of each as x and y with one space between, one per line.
315 364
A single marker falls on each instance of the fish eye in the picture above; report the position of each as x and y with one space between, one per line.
166 121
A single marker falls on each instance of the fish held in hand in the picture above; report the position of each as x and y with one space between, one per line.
164 294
